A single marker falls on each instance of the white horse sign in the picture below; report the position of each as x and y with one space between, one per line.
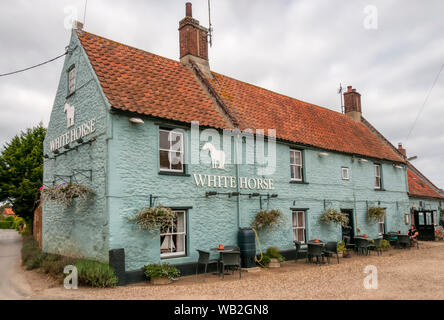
217 156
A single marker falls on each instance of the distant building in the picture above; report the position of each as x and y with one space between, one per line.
8 212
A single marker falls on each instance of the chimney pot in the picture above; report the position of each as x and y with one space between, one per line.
349 88
189 9
401 149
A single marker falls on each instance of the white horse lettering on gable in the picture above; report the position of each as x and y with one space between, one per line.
69 110
217 156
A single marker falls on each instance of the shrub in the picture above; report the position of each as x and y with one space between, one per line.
271 253
154 219
32 257
332 215
54 265
18 222
163 270
10 219
6 224
341 247
385 244
267 219
95 273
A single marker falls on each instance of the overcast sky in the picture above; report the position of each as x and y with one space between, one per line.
303 49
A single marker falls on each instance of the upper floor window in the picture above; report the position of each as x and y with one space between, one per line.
72 80
296 165
345 173
171 150
378 184
173 237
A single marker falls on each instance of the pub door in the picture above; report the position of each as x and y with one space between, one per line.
349 229
425 225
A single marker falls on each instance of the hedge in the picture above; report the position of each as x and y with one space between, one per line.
6 224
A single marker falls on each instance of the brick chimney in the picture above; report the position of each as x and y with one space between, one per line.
193 40
402 150
352 104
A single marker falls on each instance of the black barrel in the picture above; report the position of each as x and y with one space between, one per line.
247 245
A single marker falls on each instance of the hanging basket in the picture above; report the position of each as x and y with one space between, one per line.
376 213
332 215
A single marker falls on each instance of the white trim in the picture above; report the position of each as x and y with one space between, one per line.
347 175
298 167
297 227
181 233
182 151
377 176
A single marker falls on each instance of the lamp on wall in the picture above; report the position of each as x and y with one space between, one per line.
397 166
323 154
363 160
136 121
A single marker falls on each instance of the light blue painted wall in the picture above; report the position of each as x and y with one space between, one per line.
133 157
82 229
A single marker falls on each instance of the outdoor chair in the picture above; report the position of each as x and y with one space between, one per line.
330 249
348 244
300 248
362 246
377 246
313 251
231 260
204 258
404 241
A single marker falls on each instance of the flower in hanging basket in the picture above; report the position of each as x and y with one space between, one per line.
267 219
332 215
376 213
64 196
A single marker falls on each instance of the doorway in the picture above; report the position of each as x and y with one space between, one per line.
349 229
425 225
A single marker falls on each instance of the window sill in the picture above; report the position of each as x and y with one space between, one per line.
180 174
173 257
381 189
298 182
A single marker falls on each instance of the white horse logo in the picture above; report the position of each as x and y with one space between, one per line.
69 110
217 156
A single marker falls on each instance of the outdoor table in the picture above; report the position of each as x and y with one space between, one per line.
221 251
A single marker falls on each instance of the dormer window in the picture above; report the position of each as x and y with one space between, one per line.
71 80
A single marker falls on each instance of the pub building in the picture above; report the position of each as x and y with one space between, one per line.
142 130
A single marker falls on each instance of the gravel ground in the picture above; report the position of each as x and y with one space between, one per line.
402 274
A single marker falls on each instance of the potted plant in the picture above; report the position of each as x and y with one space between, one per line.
275 257
342 250
159 274
335 216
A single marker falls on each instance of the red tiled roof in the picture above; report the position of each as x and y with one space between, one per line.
8 212
141 82
298 121
419 188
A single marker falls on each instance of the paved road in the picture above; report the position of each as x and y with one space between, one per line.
13 284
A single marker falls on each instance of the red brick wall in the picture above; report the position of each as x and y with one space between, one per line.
193 39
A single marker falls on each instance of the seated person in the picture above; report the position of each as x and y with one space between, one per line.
413 234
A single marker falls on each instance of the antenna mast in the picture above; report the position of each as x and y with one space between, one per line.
210 27
340 93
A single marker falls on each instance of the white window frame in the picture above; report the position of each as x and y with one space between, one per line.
295 166
170 150
347 175
381 226
378 179
297 227
435 218
72 80
180 253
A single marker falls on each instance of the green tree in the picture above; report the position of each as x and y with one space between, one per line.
21 171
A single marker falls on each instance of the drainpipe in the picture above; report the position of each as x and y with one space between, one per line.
236 151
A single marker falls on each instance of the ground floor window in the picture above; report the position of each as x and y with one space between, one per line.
299 226
173 237
435 218
381 226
